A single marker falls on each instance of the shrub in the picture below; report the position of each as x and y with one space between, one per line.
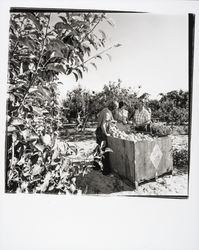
50 171
180 130
160 129
180 157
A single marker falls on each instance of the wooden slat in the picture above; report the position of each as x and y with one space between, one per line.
166 163
122 158
117 158
144 167
129 160
133 160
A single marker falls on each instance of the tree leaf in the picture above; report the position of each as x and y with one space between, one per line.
39 146
59 68
11 129
72 188
67 25
29 135
34 158
40 14
94 65
88 51
84 68
17 121
66 164
110 21
46 182
21 161
37 110
60 25
55 45
63 19
109 57
34 19
57 53
81 57
28 42
25 133
108 150
79 72
92 42
56 67
47 140
99 163
69 71
117 45
51 188
44 92
76 76
12 98
98 56
37 169
103 34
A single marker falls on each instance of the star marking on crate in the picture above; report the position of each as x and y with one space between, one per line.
156 156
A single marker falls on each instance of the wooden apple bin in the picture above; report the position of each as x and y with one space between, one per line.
142 160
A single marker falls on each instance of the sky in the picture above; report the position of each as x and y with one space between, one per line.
154 54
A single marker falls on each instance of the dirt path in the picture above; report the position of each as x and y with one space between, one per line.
96 183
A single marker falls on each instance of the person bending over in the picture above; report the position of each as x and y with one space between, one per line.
105 117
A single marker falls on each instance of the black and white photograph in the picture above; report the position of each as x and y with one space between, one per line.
99 103
99 125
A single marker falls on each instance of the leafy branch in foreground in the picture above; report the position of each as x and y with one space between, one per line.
39 51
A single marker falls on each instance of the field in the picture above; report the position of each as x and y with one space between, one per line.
96 183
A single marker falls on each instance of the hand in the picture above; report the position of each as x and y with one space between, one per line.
145 123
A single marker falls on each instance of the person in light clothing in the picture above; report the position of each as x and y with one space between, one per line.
115 110
121 116
142 118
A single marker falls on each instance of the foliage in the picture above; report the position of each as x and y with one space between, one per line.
180 157
41 173
173 107
90 104
99 153
160 129
115 91
40 50
180 130
77 100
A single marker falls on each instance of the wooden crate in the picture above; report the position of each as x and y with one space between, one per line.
143 160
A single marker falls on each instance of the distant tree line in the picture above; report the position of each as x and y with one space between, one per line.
172 107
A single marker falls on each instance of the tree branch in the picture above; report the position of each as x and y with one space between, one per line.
43 44
35 73
19 31
87 34
98 54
